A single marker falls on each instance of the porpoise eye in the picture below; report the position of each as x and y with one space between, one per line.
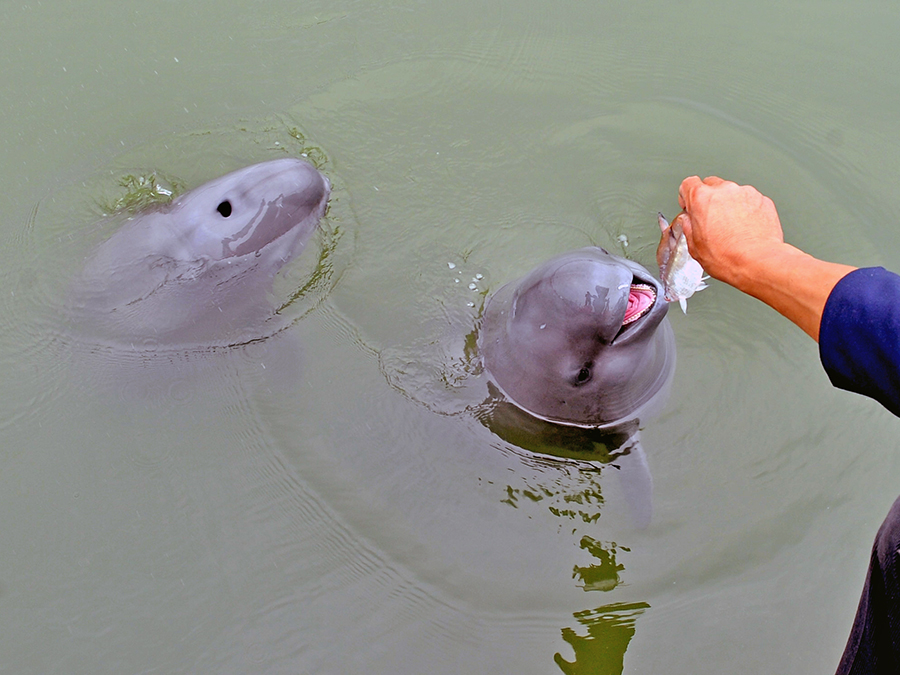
224 208
583 375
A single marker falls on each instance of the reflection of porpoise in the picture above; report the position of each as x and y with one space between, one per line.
583 341
198 269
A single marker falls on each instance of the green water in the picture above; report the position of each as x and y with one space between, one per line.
352 516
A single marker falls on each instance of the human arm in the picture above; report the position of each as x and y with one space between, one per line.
735 234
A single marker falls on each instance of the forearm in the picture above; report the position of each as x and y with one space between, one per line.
790 281
734 232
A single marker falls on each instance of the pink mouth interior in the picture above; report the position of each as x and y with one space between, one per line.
640 300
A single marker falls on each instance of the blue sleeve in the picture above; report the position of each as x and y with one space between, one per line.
859 337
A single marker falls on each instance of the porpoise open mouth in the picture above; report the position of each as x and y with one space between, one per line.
640 301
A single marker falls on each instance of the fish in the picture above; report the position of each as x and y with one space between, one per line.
681 275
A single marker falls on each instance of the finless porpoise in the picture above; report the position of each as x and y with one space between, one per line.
198 270
583 341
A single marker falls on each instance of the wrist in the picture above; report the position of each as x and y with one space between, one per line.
753 268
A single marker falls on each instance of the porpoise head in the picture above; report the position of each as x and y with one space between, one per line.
199 268
581 340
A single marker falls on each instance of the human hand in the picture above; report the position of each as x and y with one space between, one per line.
728 227
734 232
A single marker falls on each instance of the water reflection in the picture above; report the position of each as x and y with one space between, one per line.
605 575
517 427
602 650
589 450
574 493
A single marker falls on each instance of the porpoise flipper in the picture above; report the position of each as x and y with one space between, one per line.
636 481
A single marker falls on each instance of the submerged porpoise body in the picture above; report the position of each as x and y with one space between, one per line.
198 270
581 340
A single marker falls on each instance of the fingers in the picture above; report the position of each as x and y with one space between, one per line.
690 185
686 190
683 222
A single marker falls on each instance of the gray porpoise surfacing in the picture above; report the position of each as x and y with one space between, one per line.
581 342
198 270
555 344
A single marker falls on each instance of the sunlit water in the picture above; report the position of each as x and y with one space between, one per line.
326 501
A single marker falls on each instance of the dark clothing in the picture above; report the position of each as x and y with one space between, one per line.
859 343
859 337
874 643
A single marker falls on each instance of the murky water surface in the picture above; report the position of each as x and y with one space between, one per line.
325 501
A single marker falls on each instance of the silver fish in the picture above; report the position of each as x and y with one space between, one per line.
680 274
